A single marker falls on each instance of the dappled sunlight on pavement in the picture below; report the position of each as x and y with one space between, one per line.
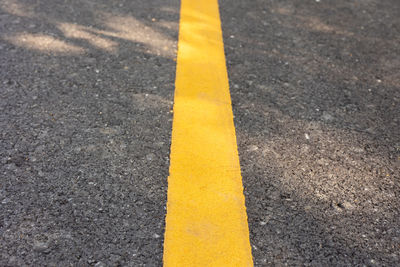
87 91
43 43
86 122
119 28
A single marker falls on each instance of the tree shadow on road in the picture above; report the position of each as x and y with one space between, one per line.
86 118
315 92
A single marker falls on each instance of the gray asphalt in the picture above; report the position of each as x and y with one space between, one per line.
86 95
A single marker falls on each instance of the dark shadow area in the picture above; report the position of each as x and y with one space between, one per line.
85 112
315 90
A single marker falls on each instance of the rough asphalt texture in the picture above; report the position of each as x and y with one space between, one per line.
86 91
85 131
316 91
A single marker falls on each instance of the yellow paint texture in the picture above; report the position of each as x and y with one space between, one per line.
206 223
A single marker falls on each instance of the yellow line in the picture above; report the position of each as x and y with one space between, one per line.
206 223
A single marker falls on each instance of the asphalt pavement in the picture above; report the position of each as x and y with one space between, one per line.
86 96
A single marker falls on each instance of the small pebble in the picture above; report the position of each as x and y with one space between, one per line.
156 236
40 246
252 148
347 205
150 156
99 264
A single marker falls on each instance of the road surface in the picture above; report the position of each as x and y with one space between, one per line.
86 109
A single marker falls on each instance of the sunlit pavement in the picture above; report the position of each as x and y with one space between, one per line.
86 98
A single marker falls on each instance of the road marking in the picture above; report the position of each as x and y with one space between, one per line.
206 223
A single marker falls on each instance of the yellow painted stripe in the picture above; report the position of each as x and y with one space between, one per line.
206 223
